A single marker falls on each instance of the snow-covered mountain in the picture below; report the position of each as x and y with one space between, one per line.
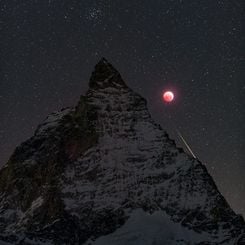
103 173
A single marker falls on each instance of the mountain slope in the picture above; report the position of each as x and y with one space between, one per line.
104 168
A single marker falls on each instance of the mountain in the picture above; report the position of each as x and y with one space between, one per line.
103 172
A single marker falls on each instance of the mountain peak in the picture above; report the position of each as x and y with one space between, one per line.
105 75
103 172
104 61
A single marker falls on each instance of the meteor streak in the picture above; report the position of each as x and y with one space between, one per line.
187 146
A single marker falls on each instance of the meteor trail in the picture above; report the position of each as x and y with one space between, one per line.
187 146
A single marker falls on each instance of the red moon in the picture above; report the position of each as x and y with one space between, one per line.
168 96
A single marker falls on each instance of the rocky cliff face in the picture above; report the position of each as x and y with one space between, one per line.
103 167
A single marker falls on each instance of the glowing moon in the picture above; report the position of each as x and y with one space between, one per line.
168 96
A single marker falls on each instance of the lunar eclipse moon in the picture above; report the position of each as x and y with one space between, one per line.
168 96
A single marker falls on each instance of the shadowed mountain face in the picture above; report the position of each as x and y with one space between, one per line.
104 172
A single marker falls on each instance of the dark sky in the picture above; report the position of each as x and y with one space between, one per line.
49 48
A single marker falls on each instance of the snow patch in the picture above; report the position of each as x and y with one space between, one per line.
147 229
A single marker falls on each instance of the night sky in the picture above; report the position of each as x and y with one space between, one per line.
48 50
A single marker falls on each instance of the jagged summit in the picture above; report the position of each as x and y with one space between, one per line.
105 75
103 172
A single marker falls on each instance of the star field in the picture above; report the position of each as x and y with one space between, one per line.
49 48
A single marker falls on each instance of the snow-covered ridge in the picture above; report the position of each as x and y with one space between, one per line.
52 121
